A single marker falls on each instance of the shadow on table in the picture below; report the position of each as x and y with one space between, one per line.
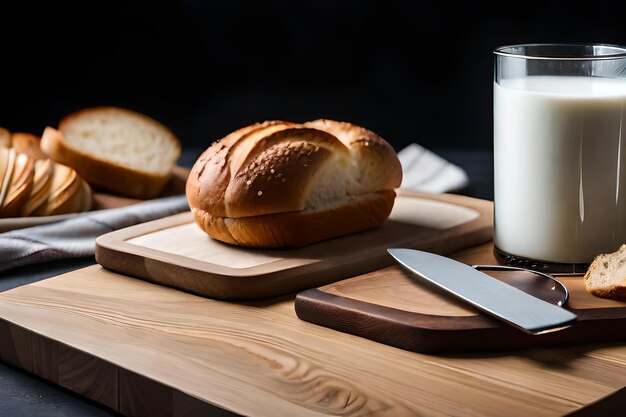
28 274
610 406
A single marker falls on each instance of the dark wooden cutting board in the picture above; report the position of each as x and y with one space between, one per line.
391 306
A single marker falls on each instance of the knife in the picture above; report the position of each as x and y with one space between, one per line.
486 293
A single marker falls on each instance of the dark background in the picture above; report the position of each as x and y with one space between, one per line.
411 71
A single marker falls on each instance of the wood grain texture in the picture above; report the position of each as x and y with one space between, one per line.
187 406
259 359
15 346
175 252
88 376
393 307
45 357
140 396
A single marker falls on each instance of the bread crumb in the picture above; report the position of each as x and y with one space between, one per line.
260 193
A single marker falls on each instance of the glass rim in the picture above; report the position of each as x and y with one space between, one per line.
501 51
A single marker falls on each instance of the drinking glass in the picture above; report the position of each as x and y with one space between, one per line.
559 153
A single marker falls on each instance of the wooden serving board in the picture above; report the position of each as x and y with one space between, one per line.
148 350
174 251
394 307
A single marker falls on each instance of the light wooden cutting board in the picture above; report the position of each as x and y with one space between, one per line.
173 251
148 350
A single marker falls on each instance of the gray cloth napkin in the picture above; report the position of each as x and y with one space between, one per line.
76 237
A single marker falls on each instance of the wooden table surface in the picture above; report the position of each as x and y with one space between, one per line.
259 359
568 378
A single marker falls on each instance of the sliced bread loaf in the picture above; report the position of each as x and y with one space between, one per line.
29 144
606 276
5 138
117 149
19 186
7 163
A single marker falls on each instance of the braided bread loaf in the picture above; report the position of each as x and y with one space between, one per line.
282 184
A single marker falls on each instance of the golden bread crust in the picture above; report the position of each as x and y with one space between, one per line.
296 229
29 144
104 173
107 175
281 184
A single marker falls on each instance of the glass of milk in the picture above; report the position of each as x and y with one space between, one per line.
559 153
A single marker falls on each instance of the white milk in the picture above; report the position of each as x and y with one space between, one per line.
560 177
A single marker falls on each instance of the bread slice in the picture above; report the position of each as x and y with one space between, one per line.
7 161
21 185
29 144
42 183
117 149
606 276
86 200
64 185
5 138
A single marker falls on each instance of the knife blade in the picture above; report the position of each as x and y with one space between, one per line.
486 293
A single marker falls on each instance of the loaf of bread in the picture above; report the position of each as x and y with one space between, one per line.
282 184
5 138
29 144
117 149
606 276
39 187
